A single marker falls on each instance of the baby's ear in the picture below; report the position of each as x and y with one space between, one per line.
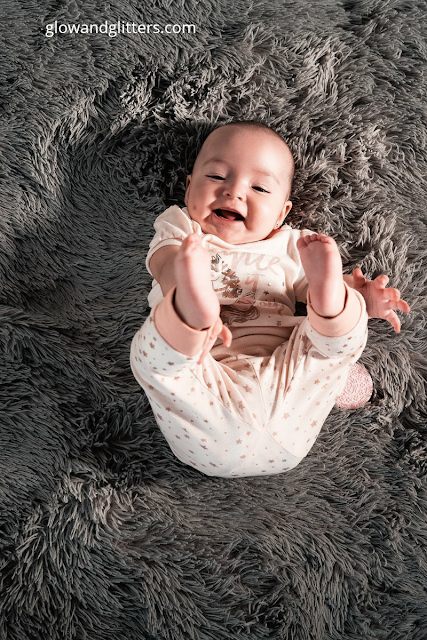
187 184
286 208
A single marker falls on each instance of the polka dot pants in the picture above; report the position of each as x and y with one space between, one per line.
245 415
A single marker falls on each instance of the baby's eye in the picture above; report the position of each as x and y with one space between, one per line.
216 177
261 189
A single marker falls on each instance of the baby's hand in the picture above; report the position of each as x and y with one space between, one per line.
219 331
380 301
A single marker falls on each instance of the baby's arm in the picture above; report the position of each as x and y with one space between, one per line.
162 266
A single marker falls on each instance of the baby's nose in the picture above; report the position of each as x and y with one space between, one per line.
233 191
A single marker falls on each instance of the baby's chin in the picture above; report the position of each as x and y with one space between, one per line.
231 232
234 237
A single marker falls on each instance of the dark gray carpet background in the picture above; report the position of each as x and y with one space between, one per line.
103 533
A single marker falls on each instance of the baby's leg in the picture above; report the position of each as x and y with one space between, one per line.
304 378
204 411
195 300
328 296
194 319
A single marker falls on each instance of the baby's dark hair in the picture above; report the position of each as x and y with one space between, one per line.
258 124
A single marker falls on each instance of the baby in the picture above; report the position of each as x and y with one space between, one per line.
240 386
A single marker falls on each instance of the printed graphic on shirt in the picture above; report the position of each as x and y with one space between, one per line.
242 310
252 297
224 279
226 283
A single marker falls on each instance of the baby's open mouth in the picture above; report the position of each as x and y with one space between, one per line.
228 215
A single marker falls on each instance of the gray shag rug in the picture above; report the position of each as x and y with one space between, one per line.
103 533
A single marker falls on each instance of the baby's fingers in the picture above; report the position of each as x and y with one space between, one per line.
358 277
210 343
392 317
393 297
391 294
394 320
219 331
400 305
381 281
388 293
226 336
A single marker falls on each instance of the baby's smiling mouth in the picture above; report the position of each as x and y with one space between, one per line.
228 215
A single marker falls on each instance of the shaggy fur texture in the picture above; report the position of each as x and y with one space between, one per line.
103 533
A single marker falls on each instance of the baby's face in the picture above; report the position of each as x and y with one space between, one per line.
242 170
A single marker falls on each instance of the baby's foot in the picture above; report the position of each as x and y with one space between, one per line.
323 267
195 300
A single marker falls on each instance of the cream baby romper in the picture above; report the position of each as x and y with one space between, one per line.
257 407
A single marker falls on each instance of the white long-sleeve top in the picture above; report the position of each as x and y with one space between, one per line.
257 283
